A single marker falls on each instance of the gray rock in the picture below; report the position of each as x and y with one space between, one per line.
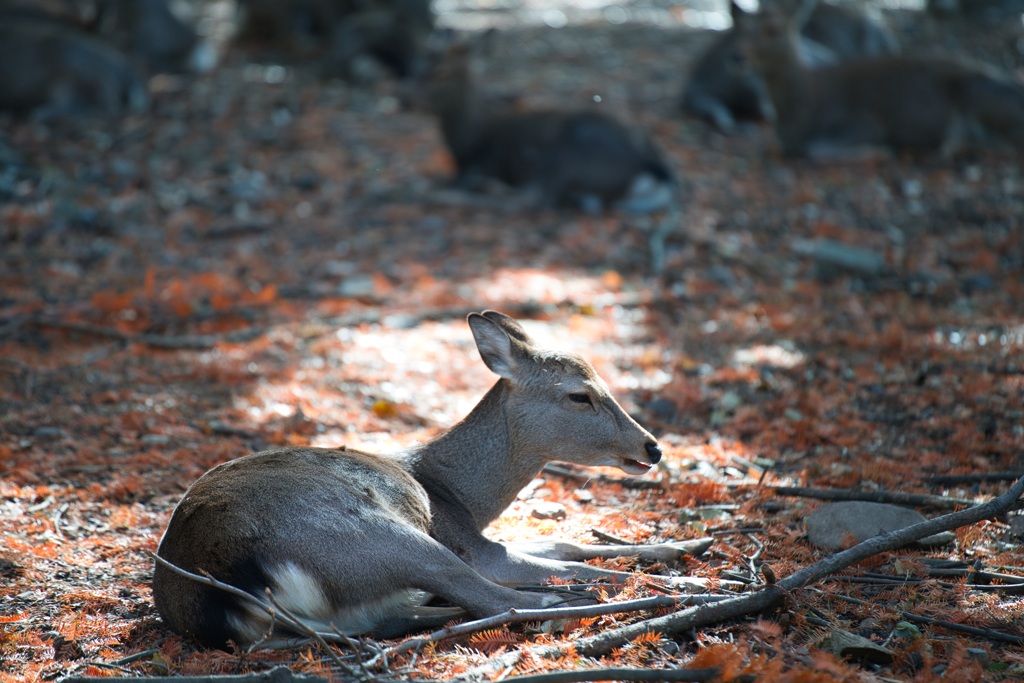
543 509
831 526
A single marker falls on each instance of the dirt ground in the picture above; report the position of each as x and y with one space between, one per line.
265 258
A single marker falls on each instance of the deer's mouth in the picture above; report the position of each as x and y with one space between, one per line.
634 466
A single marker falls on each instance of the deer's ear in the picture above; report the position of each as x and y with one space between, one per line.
802 12
509 324
495 345
736 12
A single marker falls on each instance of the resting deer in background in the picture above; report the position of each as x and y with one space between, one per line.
52 67
723 90
359 542
890 103
581 158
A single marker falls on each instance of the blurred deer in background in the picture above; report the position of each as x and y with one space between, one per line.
352 35
157 38
68 58
990 11
359 542
881 104
51 66
723 90
576 158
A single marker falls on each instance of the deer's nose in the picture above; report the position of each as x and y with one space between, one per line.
653 451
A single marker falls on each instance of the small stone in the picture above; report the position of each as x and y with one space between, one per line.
583 496
542 509
47 432
851 646
357 286
980 656
832 526
663 409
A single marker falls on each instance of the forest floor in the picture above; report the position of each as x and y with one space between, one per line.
267 259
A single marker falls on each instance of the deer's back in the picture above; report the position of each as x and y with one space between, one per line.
902 102
47 63
849 33
285 518
570 154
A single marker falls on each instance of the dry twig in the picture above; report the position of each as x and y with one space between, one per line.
624 482
618 674
988 633
893 497
551 614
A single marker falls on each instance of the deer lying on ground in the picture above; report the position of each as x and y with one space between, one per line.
358 542
883 104
391 33
153 35
989 11
722 90
51 67
582 159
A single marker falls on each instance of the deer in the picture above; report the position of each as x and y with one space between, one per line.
984 11
876 106
722 90
583 159
51 68
357 39
156 38
392 34
352 542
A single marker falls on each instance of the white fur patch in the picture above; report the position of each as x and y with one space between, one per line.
303 597
647 194
297 591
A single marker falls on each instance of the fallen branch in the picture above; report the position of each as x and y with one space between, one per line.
278 674
773 594
550 614
893 497
579 675
624 482
878 580
312 634
988 633
947 479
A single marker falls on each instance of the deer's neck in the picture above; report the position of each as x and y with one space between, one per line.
786 80
475 465
458 107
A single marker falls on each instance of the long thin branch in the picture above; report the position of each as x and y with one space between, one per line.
309 631
624 482
947 479
280 674
988 633
618 674
894 497
550 614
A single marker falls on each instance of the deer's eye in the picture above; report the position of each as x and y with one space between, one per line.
580 398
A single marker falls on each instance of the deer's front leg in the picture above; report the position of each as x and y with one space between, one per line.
510 566
649 552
